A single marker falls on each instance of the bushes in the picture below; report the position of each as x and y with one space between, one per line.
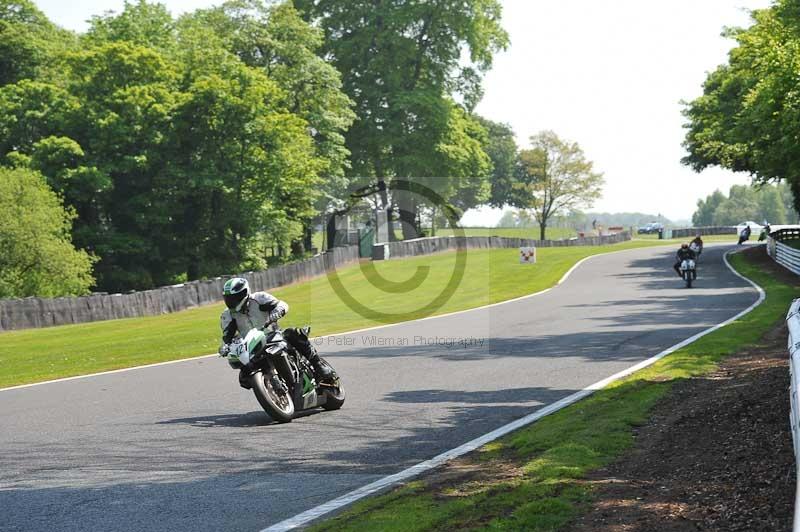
38 257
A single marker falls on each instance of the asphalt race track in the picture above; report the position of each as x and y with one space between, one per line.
181 446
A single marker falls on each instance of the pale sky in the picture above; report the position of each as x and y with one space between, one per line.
608 74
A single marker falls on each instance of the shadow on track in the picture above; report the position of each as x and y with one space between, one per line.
257 418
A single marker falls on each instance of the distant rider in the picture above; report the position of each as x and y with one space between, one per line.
745 234
764 232
696 245
248 311
683 254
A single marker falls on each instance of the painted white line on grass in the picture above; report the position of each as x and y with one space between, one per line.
437 316
413 471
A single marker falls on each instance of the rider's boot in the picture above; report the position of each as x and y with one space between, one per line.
298 338
322 371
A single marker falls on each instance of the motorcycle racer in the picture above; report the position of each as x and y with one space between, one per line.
683 253
246 311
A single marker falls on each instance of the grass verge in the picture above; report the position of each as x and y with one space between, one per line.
532 479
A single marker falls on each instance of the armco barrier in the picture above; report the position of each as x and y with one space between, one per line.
785 255
427 246
793 322
39 312
704 231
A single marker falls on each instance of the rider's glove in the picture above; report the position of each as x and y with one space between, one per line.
274 316
224 349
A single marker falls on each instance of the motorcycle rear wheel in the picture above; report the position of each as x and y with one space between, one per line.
279 406
335 396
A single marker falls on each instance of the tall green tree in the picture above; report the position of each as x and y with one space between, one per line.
747 118
556 177
403 63
501 147
174 151
277 41
38 258
758 203
741 205
141 23
30 45
704 215
771 206
244 161
128 96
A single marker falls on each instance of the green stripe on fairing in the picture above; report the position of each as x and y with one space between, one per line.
257 338
252 345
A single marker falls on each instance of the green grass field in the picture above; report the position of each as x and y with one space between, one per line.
536 484
490 276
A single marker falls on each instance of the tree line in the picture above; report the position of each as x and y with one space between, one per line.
766 203
748 118
177 147
175 142
585 221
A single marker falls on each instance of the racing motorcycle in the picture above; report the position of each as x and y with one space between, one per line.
281 378
688 271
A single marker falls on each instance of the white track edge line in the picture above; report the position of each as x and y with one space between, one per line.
437 316
308 516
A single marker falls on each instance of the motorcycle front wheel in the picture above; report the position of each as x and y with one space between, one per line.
277 404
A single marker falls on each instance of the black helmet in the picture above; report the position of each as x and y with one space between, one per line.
235 293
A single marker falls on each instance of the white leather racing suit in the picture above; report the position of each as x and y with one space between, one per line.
260 309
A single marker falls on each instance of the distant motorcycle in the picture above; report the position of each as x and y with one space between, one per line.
697 249
283 380
688 271
744 235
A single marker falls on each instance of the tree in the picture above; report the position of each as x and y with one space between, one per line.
555 177
788 202
128 96
276 40
244 161
30 45
509 219
463 161
747 118
741 205
758 203
502 149
38 258
704 215
176 154
771 206
141 23
404 64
